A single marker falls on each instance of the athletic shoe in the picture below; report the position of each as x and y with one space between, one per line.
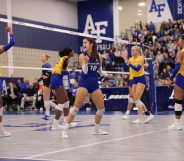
125 117
98 131
175 127
73 124
4 133
57 127
64 134
148 118
137 121
45 117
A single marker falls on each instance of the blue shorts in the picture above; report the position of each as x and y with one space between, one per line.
140 79
56 81
90 87
180 81
131 82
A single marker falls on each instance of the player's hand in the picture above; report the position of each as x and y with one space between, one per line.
127 61
86 59
109 75
9 29
44 77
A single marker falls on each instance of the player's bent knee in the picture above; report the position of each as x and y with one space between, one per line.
100 112
130 100
139 103
74 111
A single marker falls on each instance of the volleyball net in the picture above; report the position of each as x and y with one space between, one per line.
34 40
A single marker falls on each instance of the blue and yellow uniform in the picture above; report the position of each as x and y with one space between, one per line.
90 80
180 75
138 76
57 73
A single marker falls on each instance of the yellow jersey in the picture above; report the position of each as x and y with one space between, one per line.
135 62
131 74
59 66
181 71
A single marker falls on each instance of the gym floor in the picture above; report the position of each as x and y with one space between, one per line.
32 139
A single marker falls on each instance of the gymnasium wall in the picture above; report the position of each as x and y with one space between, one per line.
31 43
128 16
55 12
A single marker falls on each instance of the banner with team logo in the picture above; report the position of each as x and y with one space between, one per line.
162 10
96 18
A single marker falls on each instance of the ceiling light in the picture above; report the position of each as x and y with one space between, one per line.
142 4
139 14
139 11
120 8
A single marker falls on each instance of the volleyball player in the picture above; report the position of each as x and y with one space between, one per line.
91 63
136 62
46 76
3 49
59 70
178 72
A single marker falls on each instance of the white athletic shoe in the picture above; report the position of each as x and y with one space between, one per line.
64 134
98 131
4 133
137 121
148 118
57 127
73 124
125 117
175 127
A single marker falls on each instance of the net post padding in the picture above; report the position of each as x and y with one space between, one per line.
153 104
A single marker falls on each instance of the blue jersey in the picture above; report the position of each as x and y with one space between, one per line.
92 76
46 72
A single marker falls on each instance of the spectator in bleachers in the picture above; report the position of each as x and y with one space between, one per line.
113 48
12 94
164 75
136 35
159 57
163 28
122 83
151 27
104 54
170 46
29 96
24 85
18 85
158 81
107 63
111 55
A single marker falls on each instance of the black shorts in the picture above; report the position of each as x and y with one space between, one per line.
46 82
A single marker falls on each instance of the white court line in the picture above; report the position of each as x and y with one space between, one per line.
102 142
33 159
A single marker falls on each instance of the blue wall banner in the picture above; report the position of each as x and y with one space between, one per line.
116 99
162 10
96 18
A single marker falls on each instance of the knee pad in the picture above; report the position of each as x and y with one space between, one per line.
178 105
60 107
74 111
66 104
1 111
100 112
130 100
138 103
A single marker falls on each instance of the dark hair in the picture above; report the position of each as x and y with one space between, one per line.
65 52
94 53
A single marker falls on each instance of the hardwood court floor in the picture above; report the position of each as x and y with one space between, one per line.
32 139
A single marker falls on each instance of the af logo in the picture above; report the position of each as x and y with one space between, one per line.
95 28
157 8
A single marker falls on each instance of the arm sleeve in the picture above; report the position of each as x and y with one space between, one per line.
11 43
175 71
85 68
136 68
101 72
